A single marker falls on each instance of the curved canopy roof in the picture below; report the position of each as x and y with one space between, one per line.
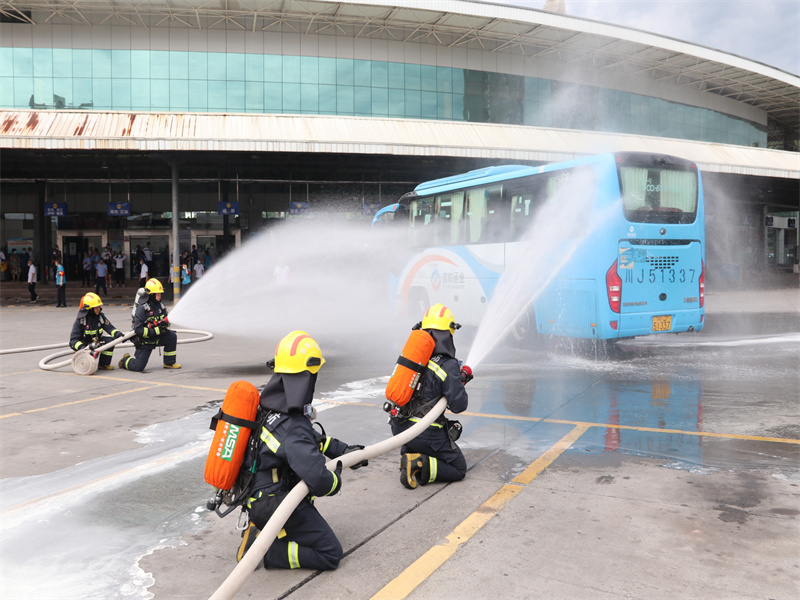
489 27
256 133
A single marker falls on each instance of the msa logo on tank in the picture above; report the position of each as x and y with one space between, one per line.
228 442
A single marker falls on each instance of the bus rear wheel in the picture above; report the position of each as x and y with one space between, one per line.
524 328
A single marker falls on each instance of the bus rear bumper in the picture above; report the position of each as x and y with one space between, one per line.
646 323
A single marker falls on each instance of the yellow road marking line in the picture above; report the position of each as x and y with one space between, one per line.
402 585
17 373
546 459
735 436
34 410
168 384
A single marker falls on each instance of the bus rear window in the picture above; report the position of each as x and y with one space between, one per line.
656 195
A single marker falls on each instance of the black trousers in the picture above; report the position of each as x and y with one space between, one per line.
61 295
32 290
168 339
100 282
119 275
451 464
309 542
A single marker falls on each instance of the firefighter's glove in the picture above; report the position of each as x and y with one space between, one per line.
118 335
338 473
466 374
164 323
353 448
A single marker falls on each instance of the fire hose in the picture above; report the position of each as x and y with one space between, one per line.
231 586
85 361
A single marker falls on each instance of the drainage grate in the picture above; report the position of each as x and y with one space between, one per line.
662 262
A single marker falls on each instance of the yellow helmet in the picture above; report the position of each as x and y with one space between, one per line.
298 352
153 286
439 317
91 300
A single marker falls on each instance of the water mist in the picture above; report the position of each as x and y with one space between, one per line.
337 283
552 238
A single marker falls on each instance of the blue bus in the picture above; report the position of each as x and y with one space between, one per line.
633 244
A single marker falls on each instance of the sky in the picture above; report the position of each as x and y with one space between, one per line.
767 31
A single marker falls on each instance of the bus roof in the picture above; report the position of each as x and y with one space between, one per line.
456 181
489 175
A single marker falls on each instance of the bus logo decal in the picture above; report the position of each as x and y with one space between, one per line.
436 280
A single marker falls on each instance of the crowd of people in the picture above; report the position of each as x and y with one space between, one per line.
101 268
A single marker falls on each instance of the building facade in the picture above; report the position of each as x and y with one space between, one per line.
232 119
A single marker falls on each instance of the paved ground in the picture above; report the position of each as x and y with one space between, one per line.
544 522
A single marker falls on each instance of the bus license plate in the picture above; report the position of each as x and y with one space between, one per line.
663 323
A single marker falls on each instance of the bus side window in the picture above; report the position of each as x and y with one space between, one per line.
449 211
476 211
496 224
524 200
422 222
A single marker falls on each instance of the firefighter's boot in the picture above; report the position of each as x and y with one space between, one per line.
124 361
410 466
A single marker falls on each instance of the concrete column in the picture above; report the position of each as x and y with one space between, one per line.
176 255
780 250
41 251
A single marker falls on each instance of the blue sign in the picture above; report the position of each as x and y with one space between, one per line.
55 209
299 208
119 209
228 208
369 208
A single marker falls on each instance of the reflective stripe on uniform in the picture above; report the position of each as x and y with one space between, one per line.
252 499
173 353
434 424
324 444
335 483
292 555
434 465
440 373
270 440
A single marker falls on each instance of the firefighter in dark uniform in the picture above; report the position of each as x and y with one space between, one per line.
291 450
87 331
151 326
433 455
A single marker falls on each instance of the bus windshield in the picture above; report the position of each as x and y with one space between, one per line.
658 195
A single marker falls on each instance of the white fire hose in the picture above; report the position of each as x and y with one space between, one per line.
85 361
231 586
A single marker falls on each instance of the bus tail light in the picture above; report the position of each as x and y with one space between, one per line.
614 324
614 288
702 282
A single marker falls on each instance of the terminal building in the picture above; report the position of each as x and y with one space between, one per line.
182 122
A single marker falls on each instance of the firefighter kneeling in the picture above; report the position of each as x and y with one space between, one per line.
151 326
291 450
88 329
434 454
